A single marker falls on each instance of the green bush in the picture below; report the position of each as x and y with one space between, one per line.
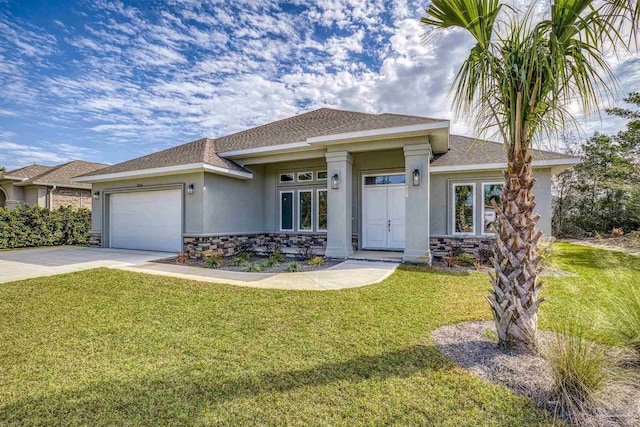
294 267
464 260
214 262
623 317
270 262
33 226
254 268
278 256
238 261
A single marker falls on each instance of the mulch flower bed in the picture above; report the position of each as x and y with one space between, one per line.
472 346
280 268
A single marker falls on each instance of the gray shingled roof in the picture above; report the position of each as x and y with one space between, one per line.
464 150
28 171
62 174
298 128
199 151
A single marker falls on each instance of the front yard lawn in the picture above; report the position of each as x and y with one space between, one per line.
113 347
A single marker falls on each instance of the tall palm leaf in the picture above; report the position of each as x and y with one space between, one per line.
519 78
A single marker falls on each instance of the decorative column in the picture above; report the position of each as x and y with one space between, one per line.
339 204
416 162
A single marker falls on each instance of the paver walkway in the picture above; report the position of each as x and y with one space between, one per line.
348 274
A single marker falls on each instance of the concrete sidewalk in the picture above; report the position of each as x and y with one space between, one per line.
349 274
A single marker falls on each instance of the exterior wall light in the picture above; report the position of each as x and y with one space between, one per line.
335 181
96 195
416 177
191 189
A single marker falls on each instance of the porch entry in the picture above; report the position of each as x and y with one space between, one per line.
383 214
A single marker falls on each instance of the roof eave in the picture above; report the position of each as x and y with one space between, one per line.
167 170
557 165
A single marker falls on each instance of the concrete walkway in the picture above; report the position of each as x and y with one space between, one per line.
29 263
348 274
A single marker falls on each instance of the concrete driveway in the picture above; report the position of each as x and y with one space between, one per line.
28 263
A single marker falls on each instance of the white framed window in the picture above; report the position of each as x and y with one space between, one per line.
305 176
286 210
463 208
321 175
286 177
490 191
305 210
323 201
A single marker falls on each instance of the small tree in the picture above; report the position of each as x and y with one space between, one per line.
519 79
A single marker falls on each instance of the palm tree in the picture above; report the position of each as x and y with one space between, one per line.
519 79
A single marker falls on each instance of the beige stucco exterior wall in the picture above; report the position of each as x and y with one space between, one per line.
36 196
233 206
441 187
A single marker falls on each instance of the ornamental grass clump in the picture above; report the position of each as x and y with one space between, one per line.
622 318
214 261
294 267
316 261
254 268
580 369
238 261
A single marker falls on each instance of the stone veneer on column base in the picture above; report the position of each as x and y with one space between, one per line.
95 239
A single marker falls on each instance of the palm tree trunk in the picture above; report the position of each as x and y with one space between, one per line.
514 297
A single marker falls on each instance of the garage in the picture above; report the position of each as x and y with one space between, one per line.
146 220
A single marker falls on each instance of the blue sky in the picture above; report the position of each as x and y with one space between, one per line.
109 80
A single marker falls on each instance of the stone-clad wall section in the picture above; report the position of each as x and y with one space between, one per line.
95 239
231 244
474 246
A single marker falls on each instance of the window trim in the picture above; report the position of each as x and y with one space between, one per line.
318 229
304 180
293 202
482 184
318 175
453 208
300 230
293 177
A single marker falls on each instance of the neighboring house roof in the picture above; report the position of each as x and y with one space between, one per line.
27 171
466 151
53 175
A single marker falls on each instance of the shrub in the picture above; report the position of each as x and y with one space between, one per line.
238 261
182 258
245 255
254 268
273 247
294 267
214 261
306 250
32 226
269 262
617 232
456 249
278 256
316 261
579 368
465 260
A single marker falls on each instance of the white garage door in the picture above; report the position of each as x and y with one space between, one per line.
146 220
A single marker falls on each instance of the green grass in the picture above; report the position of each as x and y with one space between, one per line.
113 347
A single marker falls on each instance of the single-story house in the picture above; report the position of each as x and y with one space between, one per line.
47 186
337 180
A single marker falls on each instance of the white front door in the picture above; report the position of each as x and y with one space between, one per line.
384 216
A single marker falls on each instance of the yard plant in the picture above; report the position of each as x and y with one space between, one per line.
519 80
